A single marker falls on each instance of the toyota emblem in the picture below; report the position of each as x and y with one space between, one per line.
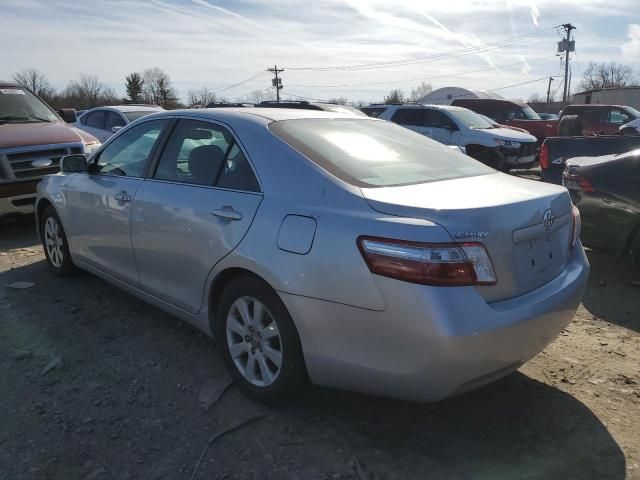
548 219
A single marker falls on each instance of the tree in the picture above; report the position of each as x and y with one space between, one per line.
338 100
35 81
536 98
157 88
258 96
134 85
606 75
420 92
395 96
88 92
202 96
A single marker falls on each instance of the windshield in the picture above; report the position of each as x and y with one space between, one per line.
131 116
470 119
373 153
633 111
530 114
19 105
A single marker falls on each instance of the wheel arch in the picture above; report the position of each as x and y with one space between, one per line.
40 206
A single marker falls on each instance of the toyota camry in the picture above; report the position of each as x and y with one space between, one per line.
324 247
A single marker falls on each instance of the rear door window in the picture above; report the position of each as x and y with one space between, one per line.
113 120
414 117
373 111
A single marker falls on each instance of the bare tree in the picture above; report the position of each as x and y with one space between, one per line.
87 92
202 96
35 81
157 88
606 75
339 100
258 96
395 96
420 92
536 98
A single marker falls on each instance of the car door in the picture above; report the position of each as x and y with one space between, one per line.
113 120
443 129
193 210
99 202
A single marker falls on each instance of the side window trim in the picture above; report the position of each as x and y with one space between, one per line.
155 159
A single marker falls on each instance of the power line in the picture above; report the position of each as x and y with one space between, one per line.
448 75
454 53
233 85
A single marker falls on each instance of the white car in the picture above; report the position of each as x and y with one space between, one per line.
501 148
102 122
631 128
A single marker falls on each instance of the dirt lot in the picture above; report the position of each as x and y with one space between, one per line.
96 384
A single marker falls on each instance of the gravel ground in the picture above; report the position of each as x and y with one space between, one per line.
97 384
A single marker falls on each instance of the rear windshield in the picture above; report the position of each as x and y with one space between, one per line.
372 153
131 116
530 113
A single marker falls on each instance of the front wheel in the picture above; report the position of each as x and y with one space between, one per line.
55 245
259 341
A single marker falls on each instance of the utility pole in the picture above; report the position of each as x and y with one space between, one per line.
567 47
276 82
549 89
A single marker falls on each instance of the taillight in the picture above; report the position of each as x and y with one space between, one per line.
544 156
577 182
576 226
443 264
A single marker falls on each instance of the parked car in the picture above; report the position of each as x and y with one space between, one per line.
501 148
606 190
601 119
102 122
556 151
323 245
33 138
499 125
303 104
513 114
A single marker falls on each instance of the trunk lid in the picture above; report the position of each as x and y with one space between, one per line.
504 213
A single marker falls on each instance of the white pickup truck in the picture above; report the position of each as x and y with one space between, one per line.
500 147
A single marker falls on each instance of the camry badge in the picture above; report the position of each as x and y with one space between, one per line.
471 234
548 219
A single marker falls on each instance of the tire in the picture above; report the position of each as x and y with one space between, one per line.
570 126
635 251
55 244
254 363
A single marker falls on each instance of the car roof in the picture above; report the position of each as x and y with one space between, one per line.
131 108
257 114
418 105
6 84
593 105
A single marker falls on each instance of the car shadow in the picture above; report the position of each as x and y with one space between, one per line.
17 232
611 294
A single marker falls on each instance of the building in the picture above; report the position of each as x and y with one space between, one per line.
446 95
609 96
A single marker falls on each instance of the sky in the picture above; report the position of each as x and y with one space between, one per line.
358 49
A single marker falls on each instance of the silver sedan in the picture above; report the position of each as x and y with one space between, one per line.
320 246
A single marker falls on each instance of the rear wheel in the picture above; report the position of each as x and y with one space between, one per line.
54 242
259 341
635 251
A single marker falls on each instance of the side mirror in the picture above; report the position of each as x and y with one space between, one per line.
73 163
68 115
115 129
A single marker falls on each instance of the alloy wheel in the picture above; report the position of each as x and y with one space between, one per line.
254 341
53 242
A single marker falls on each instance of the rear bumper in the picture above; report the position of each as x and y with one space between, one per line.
17 198
432 342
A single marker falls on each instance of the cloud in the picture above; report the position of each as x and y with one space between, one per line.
631 48
535 14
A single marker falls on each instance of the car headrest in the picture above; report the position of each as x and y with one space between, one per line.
204 163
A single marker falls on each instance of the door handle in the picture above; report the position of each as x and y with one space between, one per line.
227 213
122 197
